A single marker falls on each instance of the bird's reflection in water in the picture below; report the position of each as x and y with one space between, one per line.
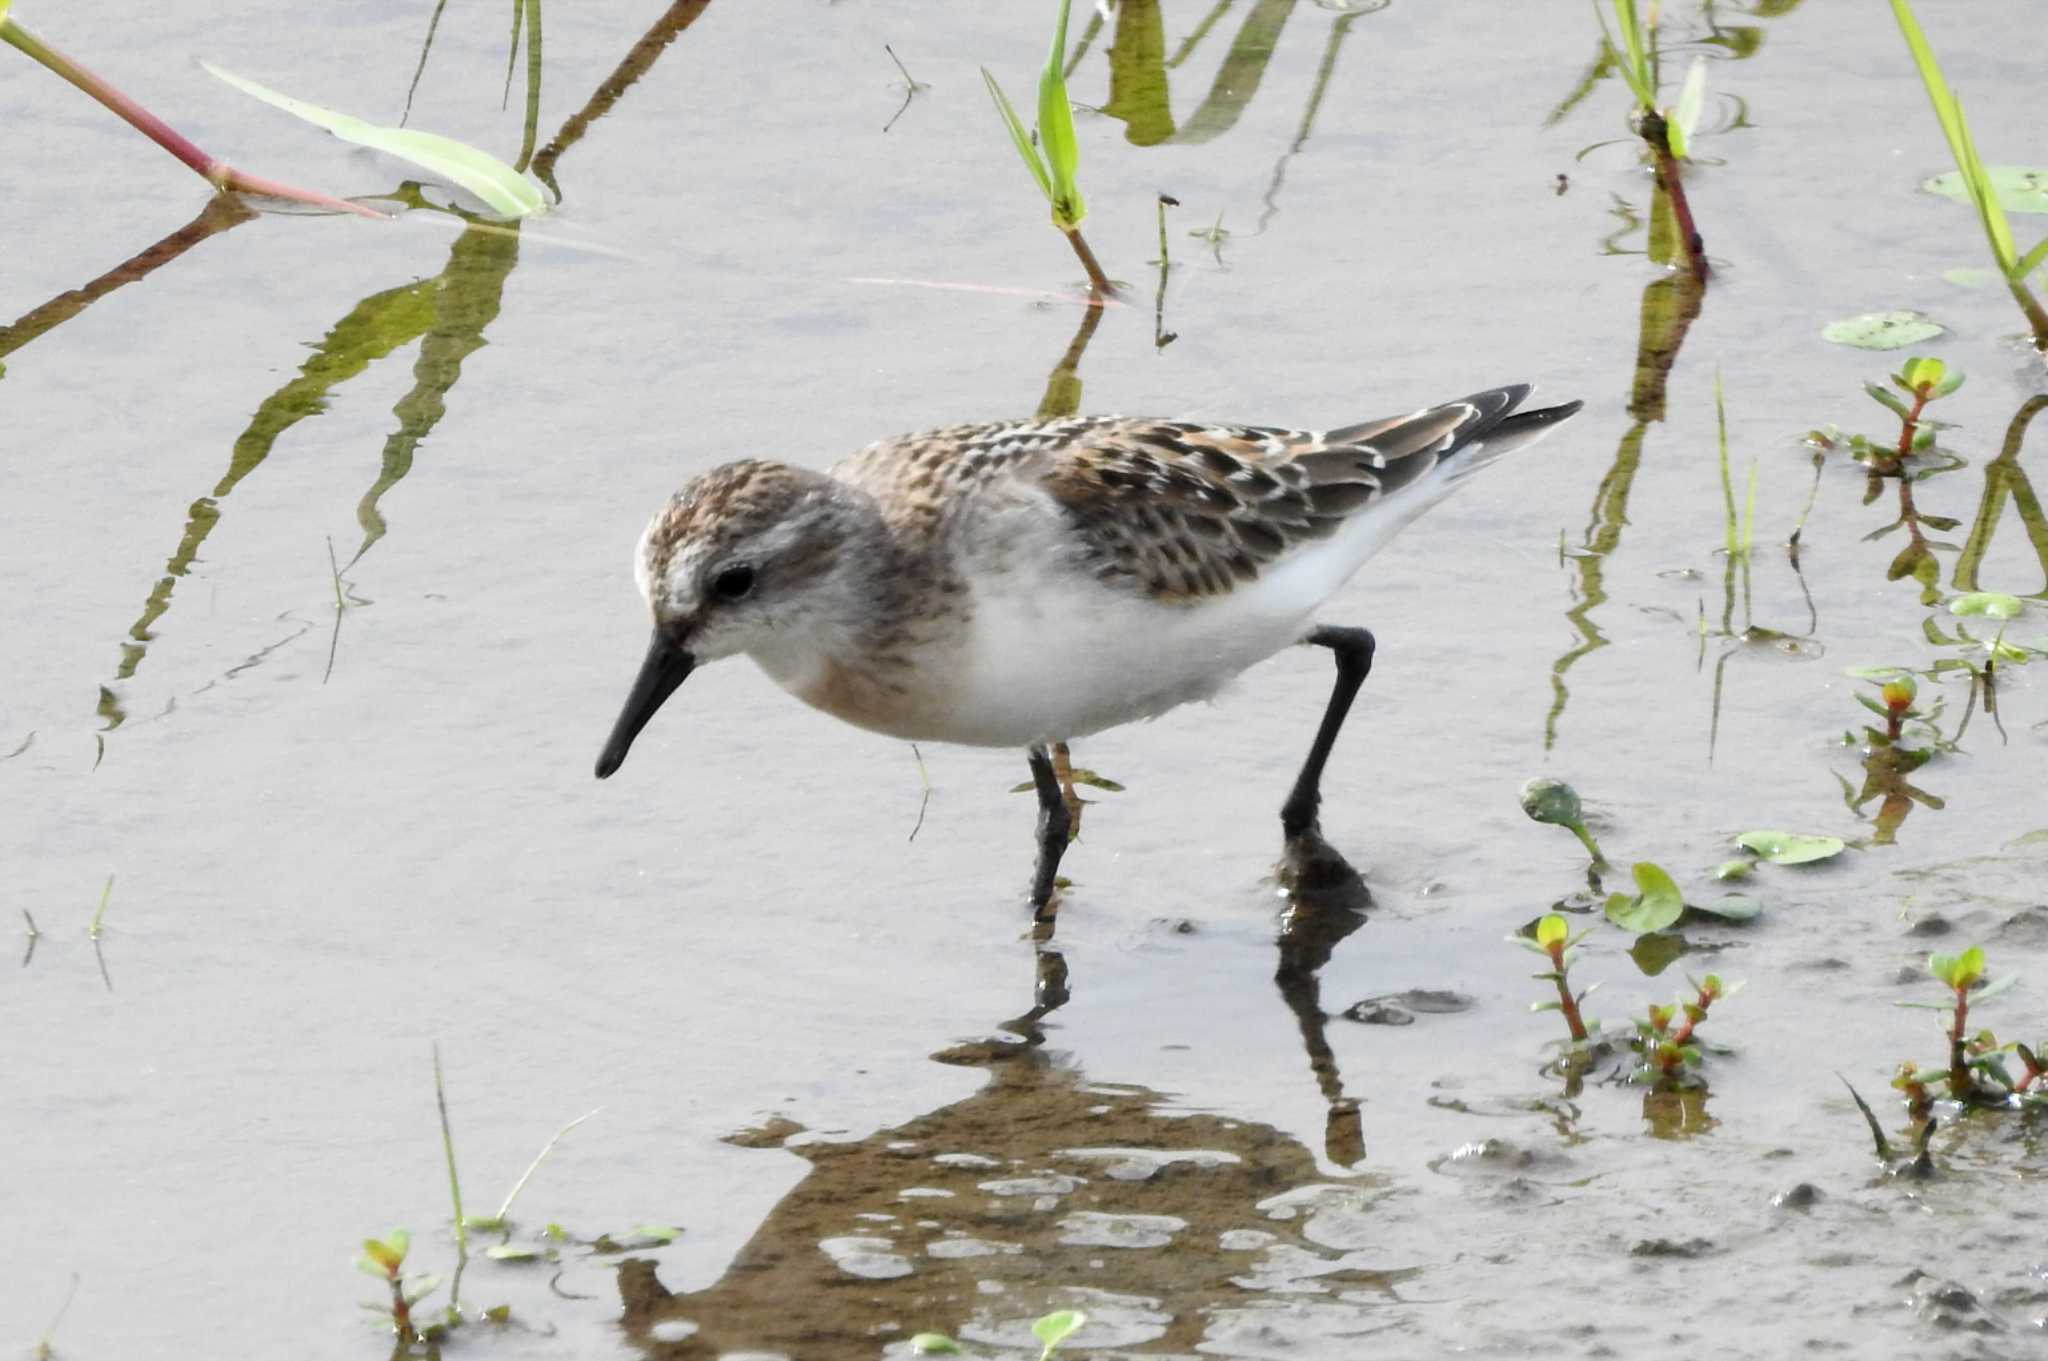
1326 902
1175 1230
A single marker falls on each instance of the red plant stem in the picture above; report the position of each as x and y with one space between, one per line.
1683 1034
210 168
1657 133
1097 280
1959 1084
1912 425
1568 1004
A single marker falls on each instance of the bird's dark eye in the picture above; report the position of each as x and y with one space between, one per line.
733 582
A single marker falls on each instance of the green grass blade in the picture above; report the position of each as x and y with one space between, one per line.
1635 60
1056 131
1021 138
1989 209
2031 261
1949 111
501 187
1727 485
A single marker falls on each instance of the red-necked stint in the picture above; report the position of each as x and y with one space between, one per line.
1023 583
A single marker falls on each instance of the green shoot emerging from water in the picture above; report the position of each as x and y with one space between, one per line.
1055 1328
1555 942
1667 130
1907 458
1664 1042
1975 1071
1050 1330
1054 157
1738 540
384 1258
1557 803
1976 180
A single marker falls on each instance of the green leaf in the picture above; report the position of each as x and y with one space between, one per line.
417 1288
1551 930
2019 189
1734 907
1989 603
1948 110
1884 398
504 189
1790 848
1656 905
1551 801
934 1344
511 1252
1685 115
1734 869
1056 131
1056 1327
1882 330
1993 988
1022 140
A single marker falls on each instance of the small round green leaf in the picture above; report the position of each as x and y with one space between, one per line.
1655 906
1056 1327
1791 848
2020 189
1882 330
1551 801
1734 907
1734 869
1988 603
934 1344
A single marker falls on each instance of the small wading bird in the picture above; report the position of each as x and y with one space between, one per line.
1021 584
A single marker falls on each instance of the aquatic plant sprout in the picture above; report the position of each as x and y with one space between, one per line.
506 191
1556 942
1976 179
1055 171
1557 803
1667 131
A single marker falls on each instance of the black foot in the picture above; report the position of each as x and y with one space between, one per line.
1318 878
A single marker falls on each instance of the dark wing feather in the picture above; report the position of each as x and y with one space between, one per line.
1184 511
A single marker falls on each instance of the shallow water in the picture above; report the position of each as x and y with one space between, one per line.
340 837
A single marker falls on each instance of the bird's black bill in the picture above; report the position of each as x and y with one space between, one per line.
666 667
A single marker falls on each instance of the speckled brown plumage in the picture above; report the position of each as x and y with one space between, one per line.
1176 509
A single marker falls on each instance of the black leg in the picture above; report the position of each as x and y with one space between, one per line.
1353 649
1053 823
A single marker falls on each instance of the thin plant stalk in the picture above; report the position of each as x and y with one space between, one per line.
455 1193
210 168
505 1208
